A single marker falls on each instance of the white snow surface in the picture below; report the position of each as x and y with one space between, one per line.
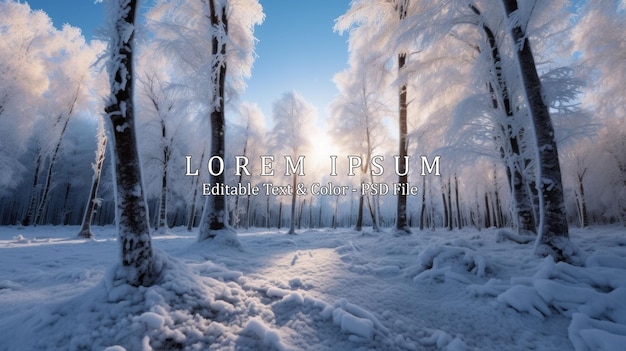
322 289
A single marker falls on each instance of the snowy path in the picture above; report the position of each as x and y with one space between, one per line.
320 290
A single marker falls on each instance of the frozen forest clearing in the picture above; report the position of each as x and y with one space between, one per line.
320 290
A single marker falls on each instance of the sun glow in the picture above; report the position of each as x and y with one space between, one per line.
321 150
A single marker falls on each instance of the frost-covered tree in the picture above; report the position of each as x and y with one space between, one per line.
138 266
293 119
357 122
206 37
553 232
215 215
160 124
402 225
59 127
23 55
246 139
65 60
93 200
377 23
599 37
509 132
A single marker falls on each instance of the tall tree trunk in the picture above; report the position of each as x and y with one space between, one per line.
445 206
65 211
497 205
267 212
373 214
162 222
487 211
92 202
30 212
367 169
234 220
450 215
214 218
553 236
456 200
310 224
43 202
510 152
292 224
423 207
401 217
302 204
359 215
132 210
335 219
584 217
280 215
247 222
192 210
319 217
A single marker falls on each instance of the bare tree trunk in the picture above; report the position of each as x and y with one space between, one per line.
372 207
234 220
280 214
319 217
456 199
310 224
373 214
92 202
445 207
162 224
43 202
192 210
247 222
359 215
450 215
30 212
335 219
302 204
553 238
132 210
65 211
582 202
423 208
497 206
292 225
401 217
267 212
510 151
487 211
214 218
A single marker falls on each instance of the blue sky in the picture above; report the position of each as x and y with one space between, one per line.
297 48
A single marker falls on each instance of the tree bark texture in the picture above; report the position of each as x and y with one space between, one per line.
553 230
214 217
132 210
85 230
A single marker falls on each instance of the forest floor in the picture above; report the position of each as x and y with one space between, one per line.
322 289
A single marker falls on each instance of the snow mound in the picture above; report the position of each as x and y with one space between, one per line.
226 237
268 337
449 261
355 320
593 296
505 234
20 239
181 309
444 341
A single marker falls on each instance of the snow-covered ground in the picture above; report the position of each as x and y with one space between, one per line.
320 290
